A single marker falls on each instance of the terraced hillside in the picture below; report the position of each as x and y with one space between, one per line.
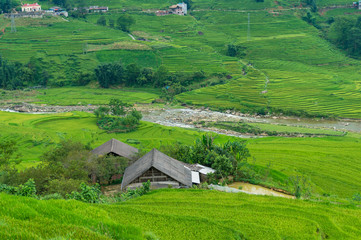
286 66
292 68
318 159
178 214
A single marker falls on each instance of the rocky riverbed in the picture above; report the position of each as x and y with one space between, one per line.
189 118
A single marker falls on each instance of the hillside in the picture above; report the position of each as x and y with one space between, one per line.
257 90
178 214
286 67
319 159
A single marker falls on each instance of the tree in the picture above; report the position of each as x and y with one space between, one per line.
133 73
189 3
161 76
109 74
313 6
111 22
235 50
124 22
8 149
117 107
105 167
346 34
7 5
101 112
102 21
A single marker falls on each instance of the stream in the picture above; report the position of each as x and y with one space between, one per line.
187 118
258 190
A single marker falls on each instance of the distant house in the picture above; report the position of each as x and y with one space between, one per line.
163 171
93 9
35 7
179 9
117 148
55 9
162 12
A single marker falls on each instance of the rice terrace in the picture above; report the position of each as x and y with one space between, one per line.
193 119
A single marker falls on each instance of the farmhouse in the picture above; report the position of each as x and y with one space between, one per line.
160 169
179 9
117 148
93 9
163 171
35 7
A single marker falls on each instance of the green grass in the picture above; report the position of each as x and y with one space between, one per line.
306 73
331 163
178 214
67 96
37 133
84 96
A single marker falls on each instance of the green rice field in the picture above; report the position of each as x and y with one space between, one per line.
178 214
304 72
320 159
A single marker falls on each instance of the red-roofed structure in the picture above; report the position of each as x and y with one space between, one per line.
35 7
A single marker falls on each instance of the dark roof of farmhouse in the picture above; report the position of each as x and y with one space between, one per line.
116 147
163 163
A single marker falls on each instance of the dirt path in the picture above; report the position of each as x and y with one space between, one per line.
3 30
130 35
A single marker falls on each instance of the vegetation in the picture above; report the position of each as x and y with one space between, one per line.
271 129
241 216
226 159
124 22
118 117
262 57
318 159
346 34
289 59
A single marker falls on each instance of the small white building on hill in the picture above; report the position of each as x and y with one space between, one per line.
35 7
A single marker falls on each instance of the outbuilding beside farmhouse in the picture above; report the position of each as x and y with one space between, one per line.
117 148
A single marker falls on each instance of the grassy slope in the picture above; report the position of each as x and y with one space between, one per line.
320 159
36 133
331 163
84 96
79 96
179 214
305 72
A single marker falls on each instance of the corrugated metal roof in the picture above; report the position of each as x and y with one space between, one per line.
163 163
205 170
195 177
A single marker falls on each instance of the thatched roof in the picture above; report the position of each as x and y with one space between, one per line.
116 147
169 166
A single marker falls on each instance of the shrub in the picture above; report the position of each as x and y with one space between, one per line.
8 189
52 196
88 194
357 197
28 189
